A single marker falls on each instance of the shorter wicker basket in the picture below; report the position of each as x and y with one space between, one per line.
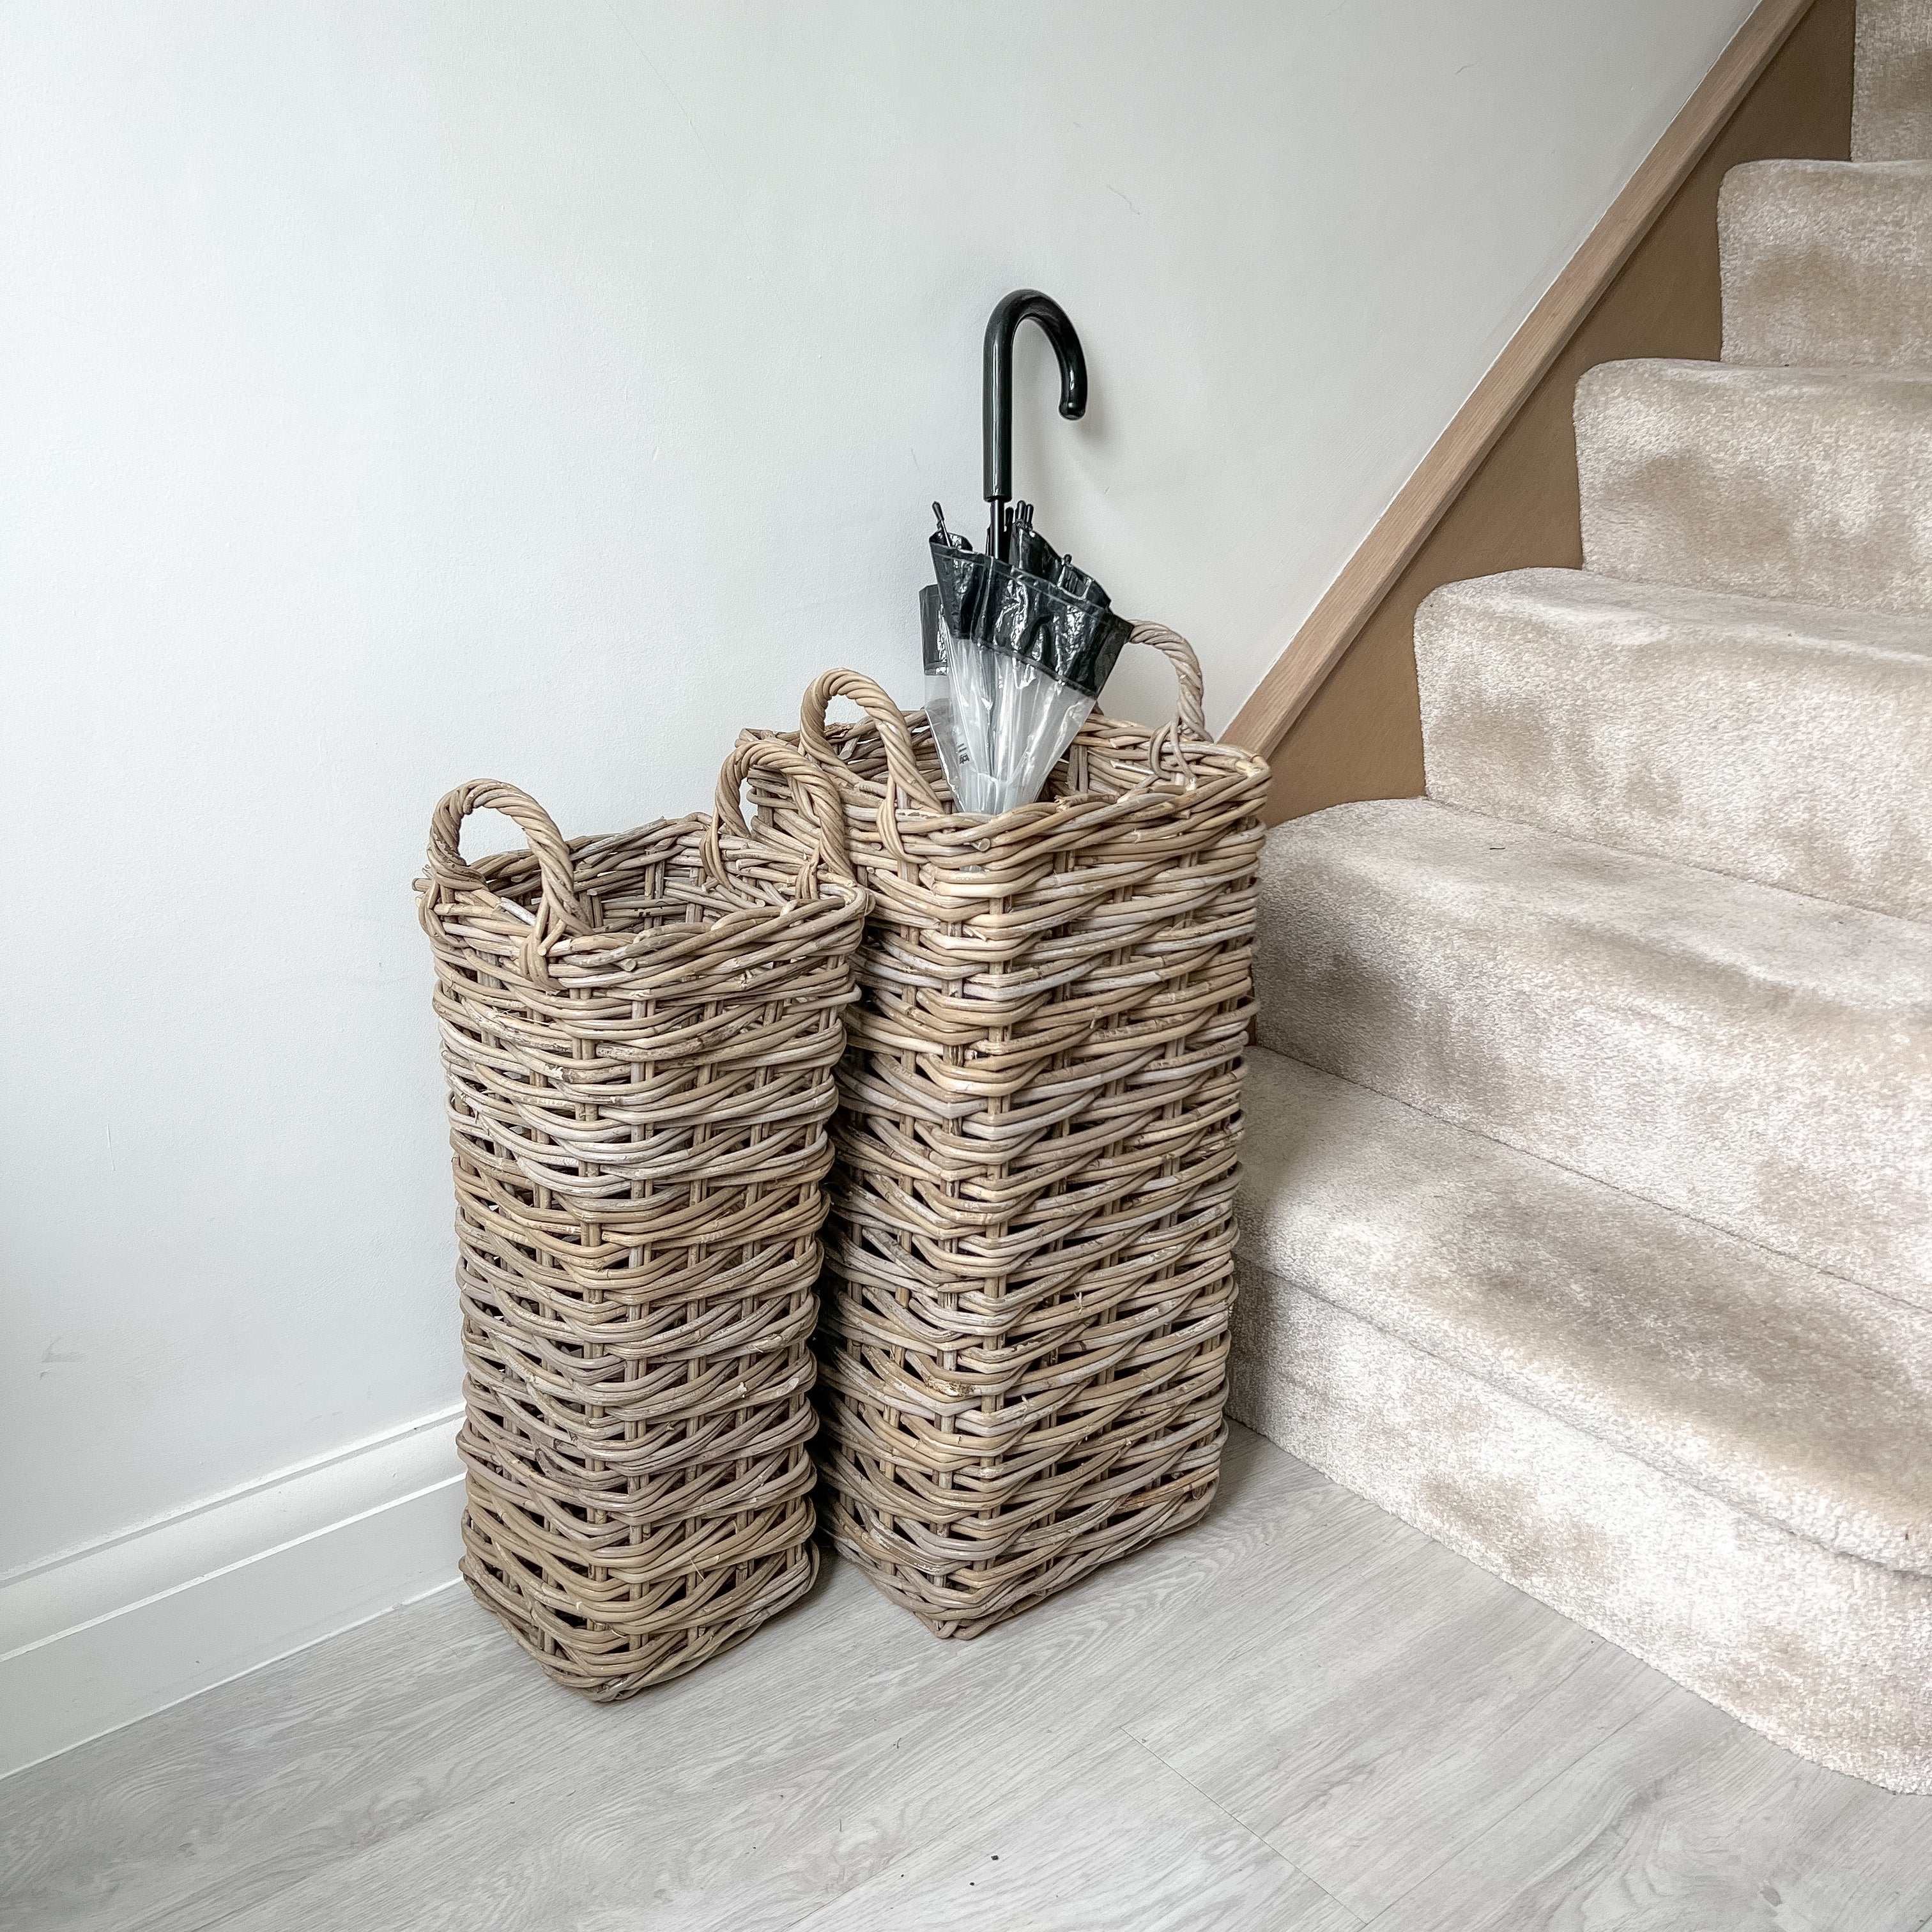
640 1033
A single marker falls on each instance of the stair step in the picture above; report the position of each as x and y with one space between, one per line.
1891 87
1757 1059
1779 742
1827 262
1803 483
1787 1392
1827 1652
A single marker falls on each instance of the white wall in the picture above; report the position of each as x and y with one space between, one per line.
399 392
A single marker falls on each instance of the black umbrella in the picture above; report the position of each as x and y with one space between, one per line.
1023 639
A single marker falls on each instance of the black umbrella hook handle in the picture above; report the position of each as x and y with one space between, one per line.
996 395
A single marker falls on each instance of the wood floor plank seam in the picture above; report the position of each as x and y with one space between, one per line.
1406 1903
1273 1851
1453 1850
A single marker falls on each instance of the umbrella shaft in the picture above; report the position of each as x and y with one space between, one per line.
1000 529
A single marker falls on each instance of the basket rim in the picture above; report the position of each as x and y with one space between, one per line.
873 792
744 918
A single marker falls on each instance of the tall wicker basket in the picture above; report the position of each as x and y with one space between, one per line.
639 1032
1030 1261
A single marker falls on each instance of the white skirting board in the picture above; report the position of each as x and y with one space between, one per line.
96 1637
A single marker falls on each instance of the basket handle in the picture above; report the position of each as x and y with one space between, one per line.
811 790
885 715
557 909
1191 718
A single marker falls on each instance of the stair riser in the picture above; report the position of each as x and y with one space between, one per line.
1791 1394
1813 485
1720 737
1892 88
1776 1087
1826 263
1828 1655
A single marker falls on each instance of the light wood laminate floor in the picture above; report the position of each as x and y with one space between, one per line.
1301 1716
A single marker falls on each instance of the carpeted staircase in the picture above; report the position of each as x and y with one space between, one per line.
1588 1217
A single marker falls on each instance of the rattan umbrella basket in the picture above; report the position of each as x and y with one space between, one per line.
641 1033
1029 1257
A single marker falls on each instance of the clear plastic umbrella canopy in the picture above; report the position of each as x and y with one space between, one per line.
1020 648
1018 641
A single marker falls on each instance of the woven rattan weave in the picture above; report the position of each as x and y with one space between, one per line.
640 1033
1030 1259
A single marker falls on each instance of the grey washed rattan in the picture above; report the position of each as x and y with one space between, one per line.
640 1033
1030 1258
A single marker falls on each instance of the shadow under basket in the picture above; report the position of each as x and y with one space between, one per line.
640 1033
1030 1259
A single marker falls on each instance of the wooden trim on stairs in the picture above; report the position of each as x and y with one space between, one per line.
1366 579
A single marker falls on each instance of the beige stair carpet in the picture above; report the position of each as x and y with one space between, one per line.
1587 1216
1892 81
1802 483
1791 1393
1658 720
1757 1059
1824 263
1583 1392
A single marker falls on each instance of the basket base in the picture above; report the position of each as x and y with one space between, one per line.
966 1604
606 1665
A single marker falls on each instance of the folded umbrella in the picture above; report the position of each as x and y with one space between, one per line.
1018 640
